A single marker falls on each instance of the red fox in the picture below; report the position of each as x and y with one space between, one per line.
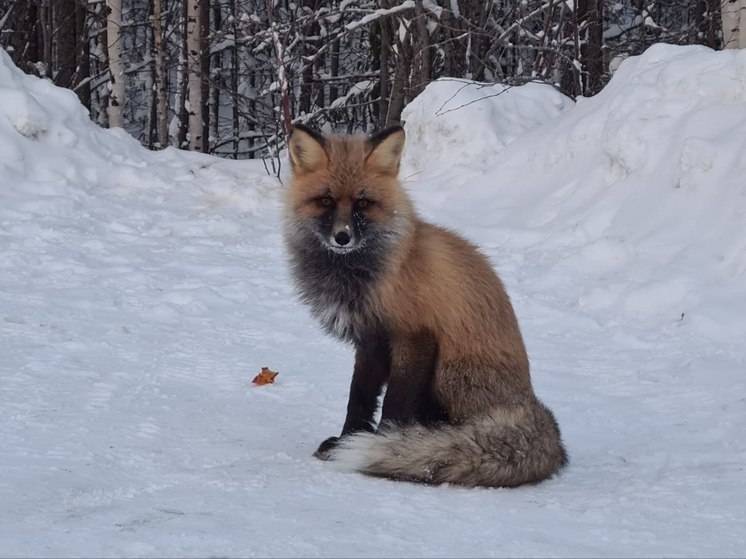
428 317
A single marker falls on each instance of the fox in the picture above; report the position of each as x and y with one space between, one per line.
432 326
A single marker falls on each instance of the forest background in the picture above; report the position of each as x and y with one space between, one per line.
229 77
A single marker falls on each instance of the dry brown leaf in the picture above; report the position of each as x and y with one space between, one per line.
265 377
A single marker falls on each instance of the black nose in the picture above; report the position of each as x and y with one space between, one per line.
342 238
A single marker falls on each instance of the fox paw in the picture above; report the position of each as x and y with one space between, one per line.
324 452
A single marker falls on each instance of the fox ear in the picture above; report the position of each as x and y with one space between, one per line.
307 150
385 150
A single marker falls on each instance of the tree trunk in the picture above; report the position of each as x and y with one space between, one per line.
476 12
116 65
234 80
308 89
194 26
734 23
587 32
19 24
383 103
282 76
46 28
82 79
449 29
217 82
398 87
334 70
65 43
593 60
100 95
403 54
179 126
204 70
420 76
160 75
149 79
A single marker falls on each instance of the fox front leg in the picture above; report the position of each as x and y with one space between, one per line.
371 372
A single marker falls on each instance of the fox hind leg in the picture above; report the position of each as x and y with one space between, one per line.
409 396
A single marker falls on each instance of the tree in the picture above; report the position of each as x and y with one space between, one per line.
592 52
178 126
160 74
734 23
194 43
116 64
204 71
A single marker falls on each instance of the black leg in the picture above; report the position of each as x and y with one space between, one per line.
409 396
372 367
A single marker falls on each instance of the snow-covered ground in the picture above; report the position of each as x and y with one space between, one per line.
140 292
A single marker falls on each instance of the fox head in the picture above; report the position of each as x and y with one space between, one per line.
344 190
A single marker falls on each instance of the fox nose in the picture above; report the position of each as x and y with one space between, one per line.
342 238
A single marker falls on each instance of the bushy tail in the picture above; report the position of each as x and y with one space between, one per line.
503 448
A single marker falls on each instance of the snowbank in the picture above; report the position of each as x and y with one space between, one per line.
47 138
463 123
634 198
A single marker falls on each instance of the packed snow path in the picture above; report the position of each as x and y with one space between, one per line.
140 293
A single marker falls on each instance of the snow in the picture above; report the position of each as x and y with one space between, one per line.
376 14
140 292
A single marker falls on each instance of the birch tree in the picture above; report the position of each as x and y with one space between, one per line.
116 64
179 124
194 57
204 71
734 23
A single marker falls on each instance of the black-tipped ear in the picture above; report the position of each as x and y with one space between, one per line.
386 148
307 149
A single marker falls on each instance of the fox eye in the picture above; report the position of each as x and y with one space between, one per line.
326 201
363 203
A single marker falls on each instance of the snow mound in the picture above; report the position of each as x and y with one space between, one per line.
634 198
48 143
50 116
468 123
